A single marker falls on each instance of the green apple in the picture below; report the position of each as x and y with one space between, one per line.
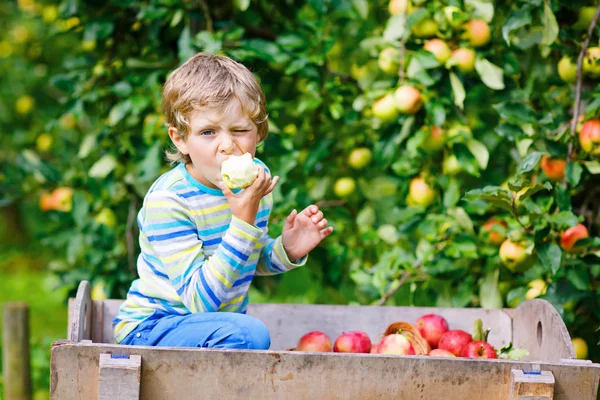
389 60
434 140
359 158
581 348
567 70
385 109
420 193
107 217
399 7
513 255
425 28
344 187
451 165
464 59
239 172
591 62
585 17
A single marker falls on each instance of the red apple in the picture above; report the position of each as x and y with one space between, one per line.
352 342
63 197
440 353
477 31
396 343
432 327
408 99
47 202
454 341
434 140
495 229
399 7
478 349
464 59
589 136
439 49
374 347
554 168
569 238
314 341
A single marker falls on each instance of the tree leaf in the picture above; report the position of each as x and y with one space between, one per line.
362 7
480 152
458 89
550 255
564 219
489 293
593 166
242 5
579 278
530 162
395 28
573 173
118 112
517 19
103 166
483 9
516 112
491 75
550 32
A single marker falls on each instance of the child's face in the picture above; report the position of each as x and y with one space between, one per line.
213 138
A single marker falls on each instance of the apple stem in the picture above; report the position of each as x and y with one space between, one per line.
486 334
576 106
478 331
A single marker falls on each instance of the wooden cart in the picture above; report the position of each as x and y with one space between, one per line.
89 366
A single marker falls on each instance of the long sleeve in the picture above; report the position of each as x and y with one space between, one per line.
203 284
274 260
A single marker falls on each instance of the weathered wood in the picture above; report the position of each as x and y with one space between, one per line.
538 327
288 322
539 384
80 317
16 362
119 377
98 320
180 373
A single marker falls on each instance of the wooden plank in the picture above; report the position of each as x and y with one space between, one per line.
16 362
180 373
119 377
538 327
288 322
80 324
97 320
538 384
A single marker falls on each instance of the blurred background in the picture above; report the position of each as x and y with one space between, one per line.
436 136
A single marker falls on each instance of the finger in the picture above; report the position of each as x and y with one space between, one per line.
289 221
317 217
226 191
326 232
322 224
314 209
272 186
308 211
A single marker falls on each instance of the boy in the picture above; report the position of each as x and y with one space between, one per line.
201 243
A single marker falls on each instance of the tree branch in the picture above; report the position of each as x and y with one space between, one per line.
402 51
576 106
390 293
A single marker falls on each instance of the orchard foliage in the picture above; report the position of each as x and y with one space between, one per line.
435 135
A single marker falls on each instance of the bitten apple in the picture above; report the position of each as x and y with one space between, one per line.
353 342
432 327
315 341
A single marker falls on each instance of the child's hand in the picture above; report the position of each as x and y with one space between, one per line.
303 232
244 205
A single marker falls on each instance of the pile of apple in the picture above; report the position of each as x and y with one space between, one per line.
431 330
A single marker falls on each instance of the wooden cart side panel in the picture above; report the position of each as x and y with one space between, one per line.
288 322
538 327
178 373
80 314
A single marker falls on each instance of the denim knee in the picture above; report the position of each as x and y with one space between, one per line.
258 332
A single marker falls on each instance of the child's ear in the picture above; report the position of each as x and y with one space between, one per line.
178 140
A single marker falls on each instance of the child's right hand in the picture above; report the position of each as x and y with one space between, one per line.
244 205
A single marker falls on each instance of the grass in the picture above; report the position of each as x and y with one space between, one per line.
22 281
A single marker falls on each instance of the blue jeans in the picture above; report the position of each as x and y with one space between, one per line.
211 329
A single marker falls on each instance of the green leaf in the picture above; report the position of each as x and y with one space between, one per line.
564 219
452 195
319 152
362 6
80 208
530 162
242 5
103 166
483 9
550 255
458 89
87 145
535 189
118 112
573 173
516 112
593 166
177 17
580 278
184 45
480 152
395 28
489 293
462 218
491 75
517 19
550 32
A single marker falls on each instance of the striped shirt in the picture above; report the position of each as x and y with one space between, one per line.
195 256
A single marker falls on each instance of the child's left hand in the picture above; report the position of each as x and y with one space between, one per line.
303 232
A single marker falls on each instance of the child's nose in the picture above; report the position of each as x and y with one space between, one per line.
227 144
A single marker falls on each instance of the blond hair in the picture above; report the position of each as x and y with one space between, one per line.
208 81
